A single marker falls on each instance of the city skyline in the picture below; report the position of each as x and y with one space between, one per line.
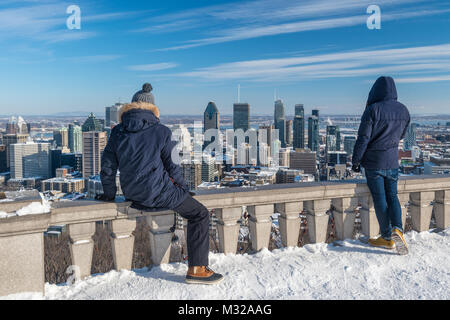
193 53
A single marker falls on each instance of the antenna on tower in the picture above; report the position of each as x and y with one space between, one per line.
239 93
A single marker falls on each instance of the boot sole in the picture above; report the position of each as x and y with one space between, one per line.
400 245
384 247
200 281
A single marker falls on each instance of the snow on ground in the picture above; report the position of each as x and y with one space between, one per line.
350 270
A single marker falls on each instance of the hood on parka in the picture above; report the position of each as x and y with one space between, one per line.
383 89
138 116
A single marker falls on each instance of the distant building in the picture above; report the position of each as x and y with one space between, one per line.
299 127
73 160
3 163
437 166
75 138
9 139
303 160
280 121
211 117
62 184
289 135
289 175
349 144
112 115
333 138
17 126
209 172
92 124
93 145
241 116
336 157
29 160
61 138
410 137
192 172
313 132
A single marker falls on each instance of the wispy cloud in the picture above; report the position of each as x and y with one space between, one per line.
359 63
254 19
153 67
94 58
46 21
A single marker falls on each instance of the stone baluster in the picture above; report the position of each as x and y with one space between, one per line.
317 218
421 210
344 216
122 242
442 209
404 199
228 228
369 222
289 221
82 246
160 236
260 225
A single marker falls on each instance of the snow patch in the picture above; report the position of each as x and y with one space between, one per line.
351 270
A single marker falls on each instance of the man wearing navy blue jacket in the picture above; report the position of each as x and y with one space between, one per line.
383 124
140 147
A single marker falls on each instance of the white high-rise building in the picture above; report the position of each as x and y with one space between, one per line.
29 160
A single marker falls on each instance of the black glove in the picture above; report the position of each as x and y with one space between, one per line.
356 167
191 193
103 197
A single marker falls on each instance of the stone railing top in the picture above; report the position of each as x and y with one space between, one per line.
70 212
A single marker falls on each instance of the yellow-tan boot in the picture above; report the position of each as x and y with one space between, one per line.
382 243
400 243
202 275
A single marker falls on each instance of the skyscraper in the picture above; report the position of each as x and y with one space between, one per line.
112 115
3 164
410 137
280 121
93 145
349 144
241 116
92 124
30 160
289 133
299 127
313 132
8 140
75 138
60 136
333 138
211 117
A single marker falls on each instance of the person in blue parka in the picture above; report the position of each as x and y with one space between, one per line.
140 148
383 124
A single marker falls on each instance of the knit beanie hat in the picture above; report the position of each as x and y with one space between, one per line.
144 95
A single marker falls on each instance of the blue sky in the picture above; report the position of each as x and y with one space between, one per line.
319 53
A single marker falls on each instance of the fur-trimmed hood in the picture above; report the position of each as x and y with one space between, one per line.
137 116
139 105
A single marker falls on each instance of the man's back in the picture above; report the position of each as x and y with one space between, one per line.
140 147
383 125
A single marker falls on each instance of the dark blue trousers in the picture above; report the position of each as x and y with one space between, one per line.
383 187
197 230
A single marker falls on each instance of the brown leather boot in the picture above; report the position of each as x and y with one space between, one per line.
202 275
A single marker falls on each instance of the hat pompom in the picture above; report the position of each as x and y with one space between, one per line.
147 87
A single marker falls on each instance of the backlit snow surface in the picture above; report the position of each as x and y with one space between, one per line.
353 270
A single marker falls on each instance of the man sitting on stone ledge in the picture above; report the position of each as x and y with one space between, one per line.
140 148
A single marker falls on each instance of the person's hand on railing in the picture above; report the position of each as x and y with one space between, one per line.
103 197
356 167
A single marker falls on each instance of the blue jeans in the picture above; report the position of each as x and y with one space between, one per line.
383 187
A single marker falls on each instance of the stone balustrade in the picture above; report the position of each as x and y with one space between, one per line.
22 243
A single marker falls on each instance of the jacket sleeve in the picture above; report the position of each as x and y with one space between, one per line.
406 127
109 168
174 170
364 135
